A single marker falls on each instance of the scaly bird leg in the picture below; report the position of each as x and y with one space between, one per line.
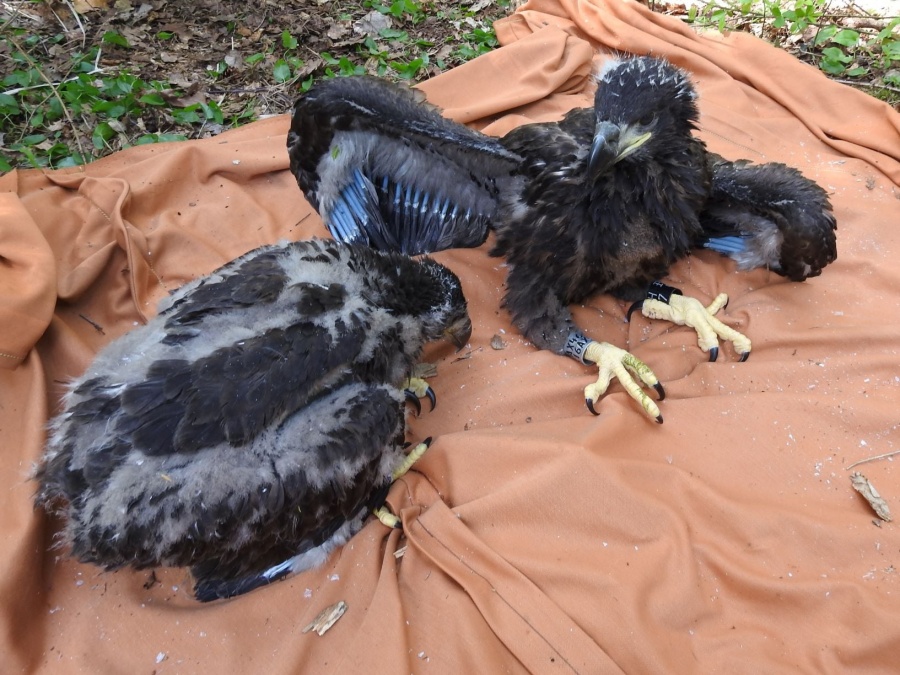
382 512
615 362
690 312
416 388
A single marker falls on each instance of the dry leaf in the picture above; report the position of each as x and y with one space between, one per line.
84 6
327 618
337 31
400 552
864 487
372 24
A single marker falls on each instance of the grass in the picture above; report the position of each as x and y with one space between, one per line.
63 107
859 50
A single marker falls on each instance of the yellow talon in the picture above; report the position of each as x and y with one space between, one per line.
686 311
414 455
382 512
417 386
615 362
386 517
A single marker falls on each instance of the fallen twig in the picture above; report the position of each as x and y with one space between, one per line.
872 459
326 618
871 85
96 325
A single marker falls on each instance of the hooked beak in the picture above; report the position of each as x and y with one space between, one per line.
612 144
460 332
604 147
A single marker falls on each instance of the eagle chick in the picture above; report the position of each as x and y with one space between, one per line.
249 428
603 201
611 196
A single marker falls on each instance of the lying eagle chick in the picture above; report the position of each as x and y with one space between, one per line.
249 428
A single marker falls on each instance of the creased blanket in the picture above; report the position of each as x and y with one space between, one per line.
537 538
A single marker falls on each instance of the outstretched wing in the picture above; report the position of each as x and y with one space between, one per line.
769 215
385 169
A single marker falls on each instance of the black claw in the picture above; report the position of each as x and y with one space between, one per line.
713 354
660 391
412 398
634 306
429 392
745 356
659 419
427 441
590 406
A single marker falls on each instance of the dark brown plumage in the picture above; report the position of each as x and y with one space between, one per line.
611 196
249 428
603 201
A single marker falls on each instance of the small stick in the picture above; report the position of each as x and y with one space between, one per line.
871 85
96 325
872 459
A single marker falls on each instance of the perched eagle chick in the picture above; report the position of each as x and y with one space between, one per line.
249 428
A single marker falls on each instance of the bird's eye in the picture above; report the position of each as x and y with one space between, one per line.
647 120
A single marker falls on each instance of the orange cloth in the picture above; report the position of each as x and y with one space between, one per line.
538 538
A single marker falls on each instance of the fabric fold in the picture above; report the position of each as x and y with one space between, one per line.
27 278
538 538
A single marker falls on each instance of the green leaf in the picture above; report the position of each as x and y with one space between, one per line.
394 34
34 139
836 55
187 115
113 38
164 35
152 99
888 31
288 41
846 37
856 72
254 58
832 68
109 108
8 105
66 162
891 50
282 71
825 34
102 133
212 112
168 138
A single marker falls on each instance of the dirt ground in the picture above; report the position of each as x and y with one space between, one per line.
225 50
228 52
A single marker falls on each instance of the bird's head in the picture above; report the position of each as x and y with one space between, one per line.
449 316
641 104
